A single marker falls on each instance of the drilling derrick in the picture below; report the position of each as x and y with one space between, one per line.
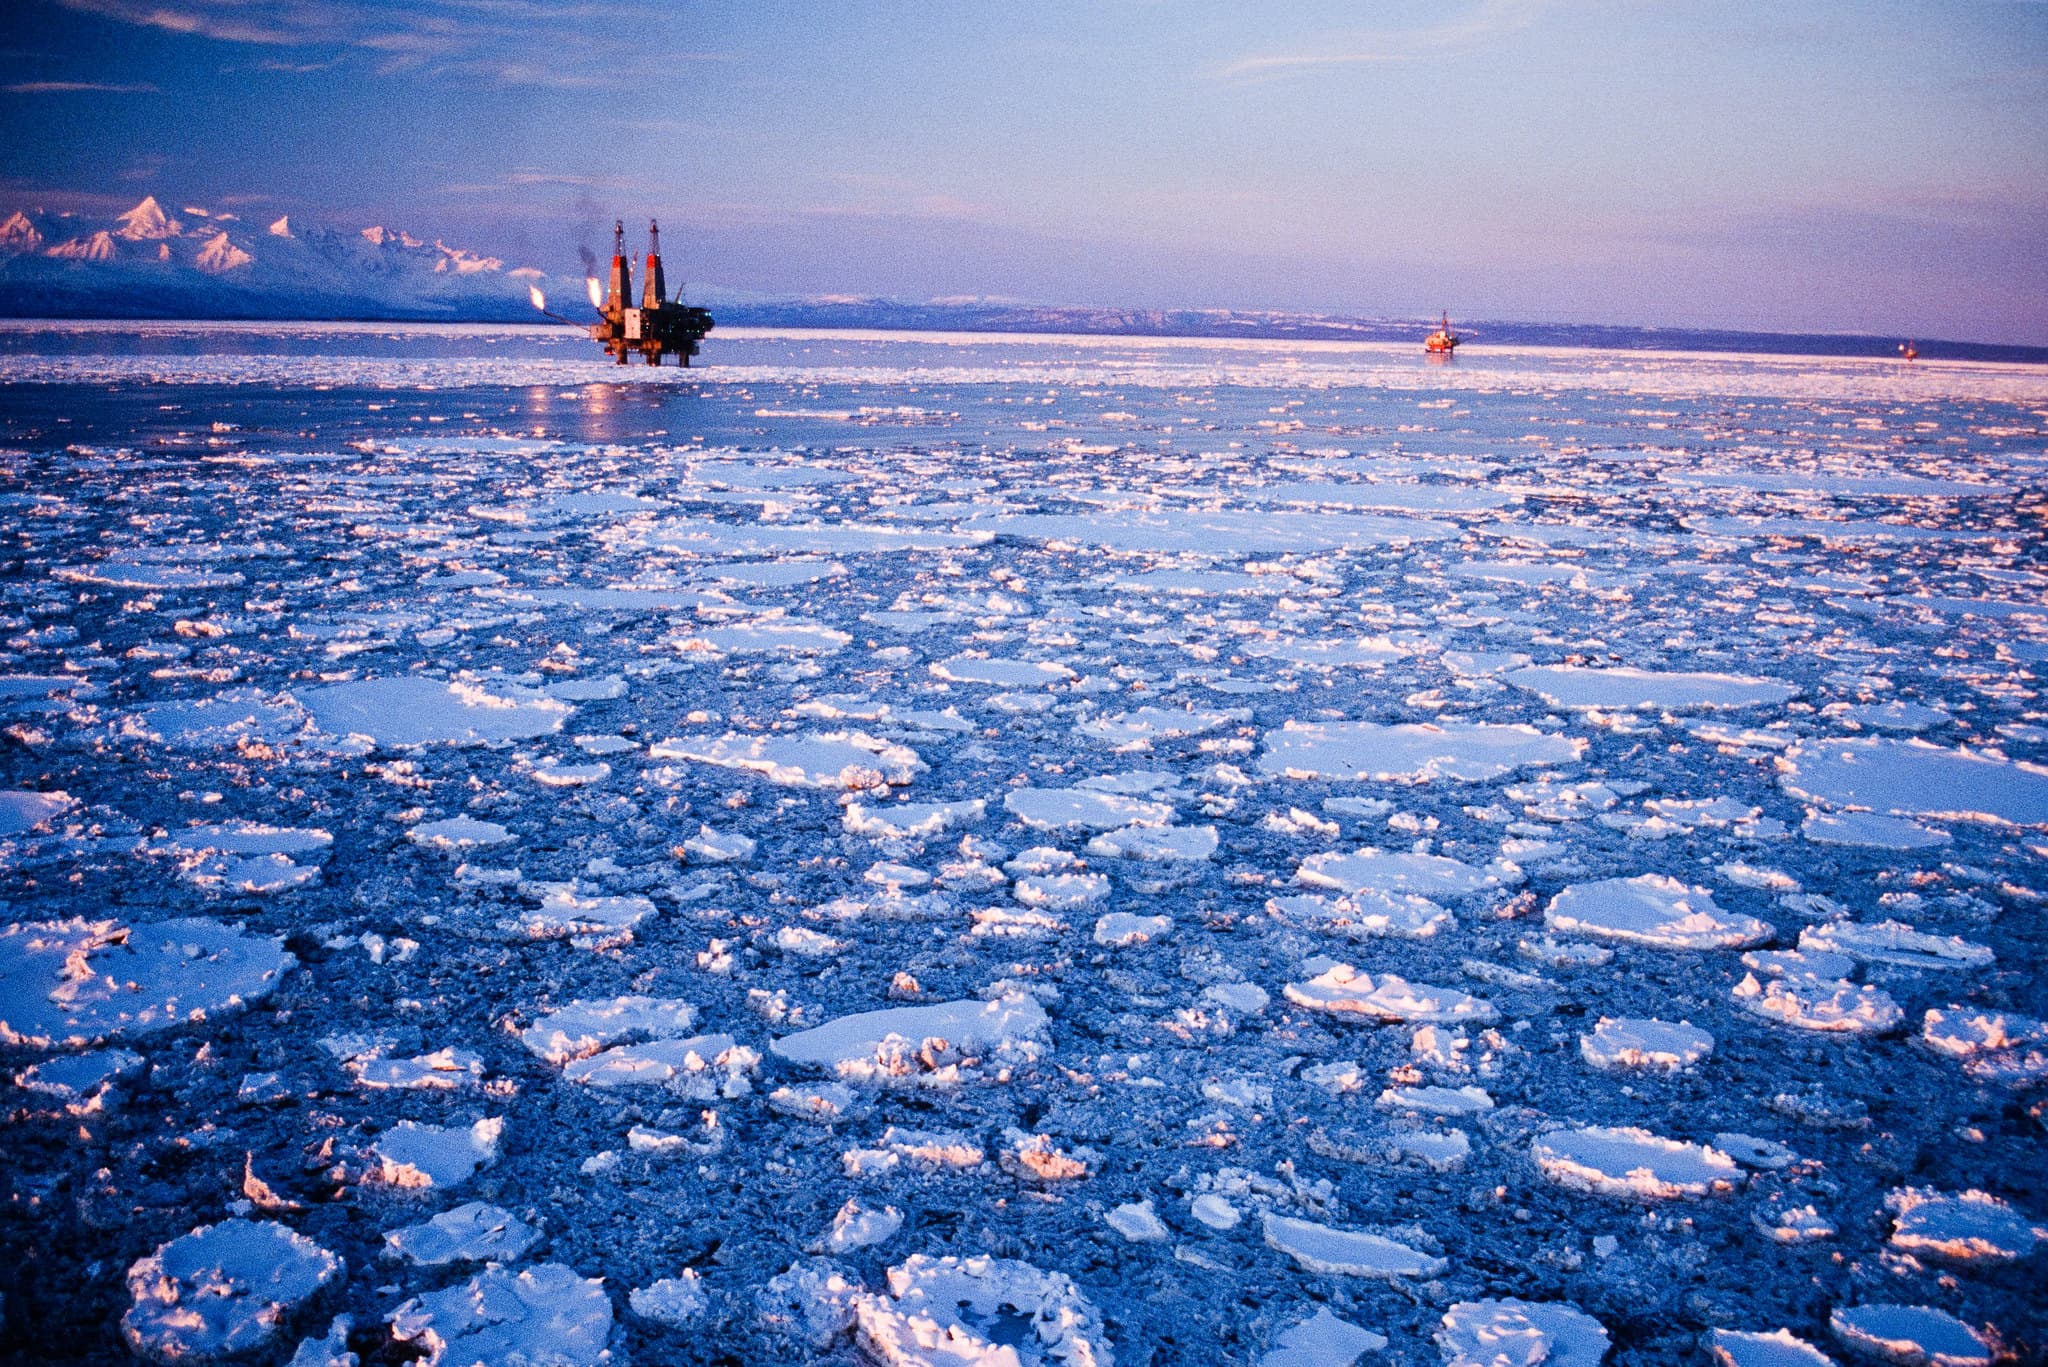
659 325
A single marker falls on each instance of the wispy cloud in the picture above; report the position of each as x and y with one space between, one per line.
561 44
78 88
1488 21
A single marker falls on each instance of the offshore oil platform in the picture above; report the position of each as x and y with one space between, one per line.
660 325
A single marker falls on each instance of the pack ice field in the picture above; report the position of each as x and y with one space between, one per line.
1031 852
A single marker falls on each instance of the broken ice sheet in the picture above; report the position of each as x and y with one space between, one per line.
470 1233
223 1291
541 1314
419 1157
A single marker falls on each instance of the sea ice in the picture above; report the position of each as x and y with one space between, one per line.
406 712
223 1291
1121 929
1910 1335
1055 809
77 982
979 1312
1516 1333
1363 915
1343 991
1871 831
673 1301
1348 1253
1652 909
1914 778
418 1157
1894 942
1654 1045
1828 1005
1411 752
1628 1161
545 1314
584 1026
1776 1349
471 1233
851 760
1615 689
1322 1340
1370 870
910 820
458 834
701 1068
937 1045
25 811
1959 1227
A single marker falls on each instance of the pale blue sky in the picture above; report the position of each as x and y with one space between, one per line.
1835 164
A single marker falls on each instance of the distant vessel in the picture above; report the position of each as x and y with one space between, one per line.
1908 350
1443 341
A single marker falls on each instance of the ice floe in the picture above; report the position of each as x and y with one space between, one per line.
474 1232
1610 1160
1910 1335
78 982
224 1291
851 760
1894 942
1966 1227
954 1312
402 713
1650 1045
547 1313
1348 1253
938 1045
1411 752
1914 778
1517 1333
418 1157
1341 990
1652 909
1618 688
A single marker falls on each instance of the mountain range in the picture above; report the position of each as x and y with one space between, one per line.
198 263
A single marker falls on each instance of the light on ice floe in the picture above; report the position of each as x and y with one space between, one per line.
1910 1335
1653 1045
833 759
1960 1227
419 1157
542 1314
1655 910
223 1291
470 1233
1341 990
1425 875
1618 688
967 1312
407 712
1516 1333
936 1045
1322 1340
1054 809
1411 752
1781 1348
1629 1161
77 982
1895 942
1348 1253
1914 778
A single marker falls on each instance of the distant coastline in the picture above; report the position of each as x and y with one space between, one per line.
1208 324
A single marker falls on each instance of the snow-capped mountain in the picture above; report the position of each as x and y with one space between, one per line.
151 263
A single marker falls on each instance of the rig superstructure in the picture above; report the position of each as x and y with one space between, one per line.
660 325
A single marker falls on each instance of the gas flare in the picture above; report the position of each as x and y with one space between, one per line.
596 292
540 301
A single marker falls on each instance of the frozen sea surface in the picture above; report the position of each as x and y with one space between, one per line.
891 849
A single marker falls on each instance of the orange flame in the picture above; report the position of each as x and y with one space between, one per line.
540 301
596 293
